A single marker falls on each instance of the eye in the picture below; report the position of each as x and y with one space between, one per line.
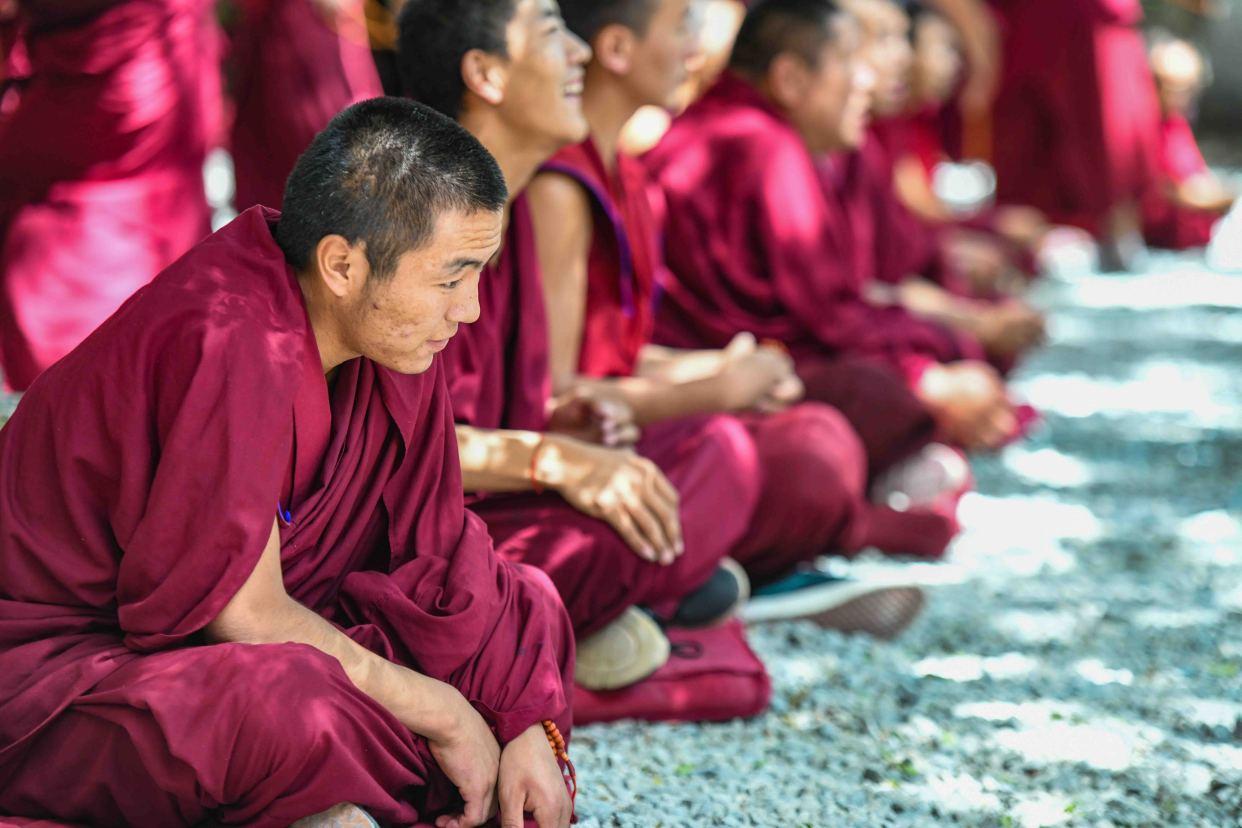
453 285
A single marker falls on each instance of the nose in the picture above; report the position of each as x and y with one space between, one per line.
579 50
465 311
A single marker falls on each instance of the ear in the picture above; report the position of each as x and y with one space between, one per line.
342 266
484 75
788 79
614 48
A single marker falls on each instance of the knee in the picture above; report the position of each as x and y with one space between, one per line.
812 449
735 457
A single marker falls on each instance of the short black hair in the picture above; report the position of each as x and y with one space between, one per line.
775 26
381 173
435 35
586 18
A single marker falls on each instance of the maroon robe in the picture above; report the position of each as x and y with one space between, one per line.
812 468
139 481
1076 120
498 376
755 244
1165 223
294 68
101 168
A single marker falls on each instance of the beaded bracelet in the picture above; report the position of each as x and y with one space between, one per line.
557 743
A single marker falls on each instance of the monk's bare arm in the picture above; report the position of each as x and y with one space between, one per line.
563 224
981 42
261 612
497 459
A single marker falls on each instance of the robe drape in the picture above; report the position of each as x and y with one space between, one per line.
139 481
294 67
1165 223
811 464
101 159
754 244
499 378
1076 120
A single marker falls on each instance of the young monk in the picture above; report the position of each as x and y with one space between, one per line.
1076 123
927 268
237 580
600 257
101 164
615 528
1181 211
755 244
295 64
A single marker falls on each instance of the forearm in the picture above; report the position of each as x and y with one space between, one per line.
497 460
678 365
655 399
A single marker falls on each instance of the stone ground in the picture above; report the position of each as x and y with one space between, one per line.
1081 659
1080 662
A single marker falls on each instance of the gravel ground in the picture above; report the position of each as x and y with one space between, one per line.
1081 659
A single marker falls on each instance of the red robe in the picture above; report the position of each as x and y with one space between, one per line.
139 481
101 159
812 467
498 375
1166 224
755 244
293 70
1076 121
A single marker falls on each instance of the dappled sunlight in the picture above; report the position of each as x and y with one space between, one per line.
1042 810
1178 284
1097 672
1047 626
1047 467
1167 618
964 667
958 793
1199 393
1213 538
1105 744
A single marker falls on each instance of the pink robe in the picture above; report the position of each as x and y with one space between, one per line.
101 158
139 481
1076 121
498 375
755 244
1165 223
812 467
293 70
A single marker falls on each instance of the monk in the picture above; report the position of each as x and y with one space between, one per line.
1076 122
238 583
1189 199
756 245
601 261
616 528
101 164
295 64
944 273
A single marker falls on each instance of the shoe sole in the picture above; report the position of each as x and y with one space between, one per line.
882 612
653 653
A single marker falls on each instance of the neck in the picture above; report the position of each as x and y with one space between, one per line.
333 350
608 108
517 155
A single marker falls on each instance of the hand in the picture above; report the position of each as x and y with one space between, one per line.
969 403
752 375
1009 328
585 414
617 486
1024 226
981 260
531 782
787 392
469 755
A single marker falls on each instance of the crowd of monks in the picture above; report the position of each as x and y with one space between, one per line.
507 398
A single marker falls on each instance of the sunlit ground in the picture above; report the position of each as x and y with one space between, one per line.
1081 662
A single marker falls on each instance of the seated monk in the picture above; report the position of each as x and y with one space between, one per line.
294 65
1181 211
238 583
916 263
756 245
112 109
599 253
615 528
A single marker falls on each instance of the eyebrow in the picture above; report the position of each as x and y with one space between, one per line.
458 265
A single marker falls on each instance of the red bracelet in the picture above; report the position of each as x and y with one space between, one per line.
562 757
534 464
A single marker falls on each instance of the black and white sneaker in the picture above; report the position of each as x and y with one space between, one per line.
718 600
837 603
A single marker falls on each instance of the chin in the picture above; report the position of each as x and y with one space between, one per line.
411 365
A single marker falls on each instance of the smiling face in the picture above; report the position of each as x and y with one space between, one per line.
830 106
404 321
544 75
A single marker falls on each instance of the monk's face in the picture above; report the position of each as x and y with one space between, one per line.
659 60
543 76
937 60
833 109
404 321
886 48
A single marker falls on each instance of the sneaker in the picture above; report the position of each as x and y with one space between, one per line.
837 603
345 815
717 600
625 652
